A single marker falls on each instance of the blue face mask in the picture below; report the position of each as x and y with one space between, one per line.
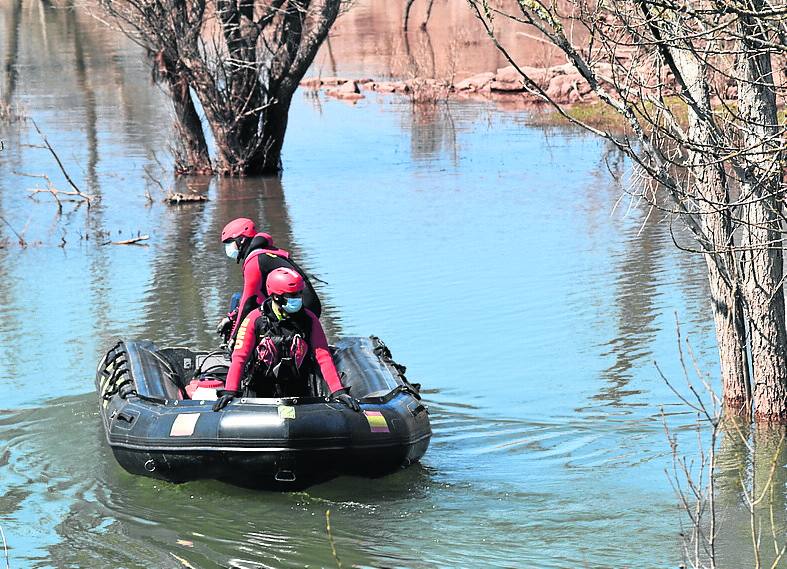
293 304
231 249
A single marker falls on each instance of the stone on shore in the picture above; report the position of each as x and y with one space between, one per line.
334 81
478 82
347 91
569 88
311 82
509 79
390 87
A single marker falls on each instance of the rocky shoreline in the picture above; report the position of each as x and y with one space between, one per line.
561 83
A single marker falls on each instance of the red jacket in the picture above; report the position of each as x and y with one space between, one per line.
247 341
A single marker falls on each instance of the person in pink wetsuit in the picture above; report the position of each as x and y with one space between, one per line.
278 345
259 256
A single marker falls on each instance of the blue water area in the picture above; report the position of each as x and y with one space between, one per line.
505 264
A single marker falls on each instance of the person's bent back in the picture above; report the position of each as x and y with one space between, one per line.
260 257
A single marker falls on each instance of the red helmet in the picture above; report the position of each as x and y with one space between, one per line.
241 227
284 281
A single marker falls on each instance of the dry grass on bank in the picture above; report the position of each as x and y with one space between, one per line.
600 115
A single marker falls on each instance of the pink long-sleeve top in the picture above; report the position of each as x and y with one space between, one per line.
247 341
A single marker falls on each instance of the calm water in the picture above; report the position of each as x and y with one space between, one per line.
488 254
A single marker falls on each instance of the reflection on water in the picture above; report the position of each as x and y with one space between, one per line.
368 40
751 495
12 22
485 252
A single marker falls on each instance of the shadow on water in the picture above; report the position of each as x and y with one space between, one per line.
751 469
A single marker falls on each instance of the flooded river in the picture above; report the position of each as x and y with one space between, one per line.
490 255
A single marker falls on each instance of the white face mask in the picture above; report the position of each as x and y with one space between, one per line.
231 249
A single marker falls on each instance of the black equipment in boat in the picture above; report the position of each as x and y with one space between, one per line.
155 429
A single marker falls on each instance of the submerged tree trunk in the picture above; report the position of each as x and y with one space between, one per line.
710 181
247 96
169 30
243 60
267 159
192 156
728 316
762 263
191 151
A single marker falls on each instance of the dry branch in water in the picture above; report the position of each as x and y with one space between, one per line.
20 239
178 198
71 195
695 479
133 241
76 191
182 561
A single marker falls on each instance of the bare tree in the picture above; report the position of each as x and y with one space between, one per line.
243 59
693 82
168 29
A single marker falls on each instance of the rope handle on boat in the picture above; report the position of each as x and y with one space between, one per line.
114 384
148 398
382 351
122 387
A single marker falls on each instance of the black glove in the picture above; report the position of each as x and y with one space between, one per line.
343 396
225 396
224 327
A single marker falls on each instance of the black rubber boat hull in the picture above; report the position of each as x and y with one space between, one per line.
258 442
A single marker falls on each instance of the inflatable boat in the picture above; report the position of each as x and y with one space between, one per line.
156 407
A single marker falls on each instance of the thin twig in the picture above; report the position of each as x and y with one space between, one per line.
330 538
22 242
60 163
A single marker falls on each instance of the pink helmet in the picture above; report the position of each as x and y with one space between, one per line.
241 227
284 281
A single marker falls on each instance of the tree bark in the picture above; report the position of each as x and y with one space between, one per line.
267 159
711 183
762 261
728 315
193 156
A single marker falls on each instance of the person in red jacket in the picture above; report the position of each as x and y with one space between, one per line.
278 345
260 256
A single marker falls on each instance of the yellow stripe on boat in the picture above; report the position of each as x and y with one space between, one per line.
377 422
